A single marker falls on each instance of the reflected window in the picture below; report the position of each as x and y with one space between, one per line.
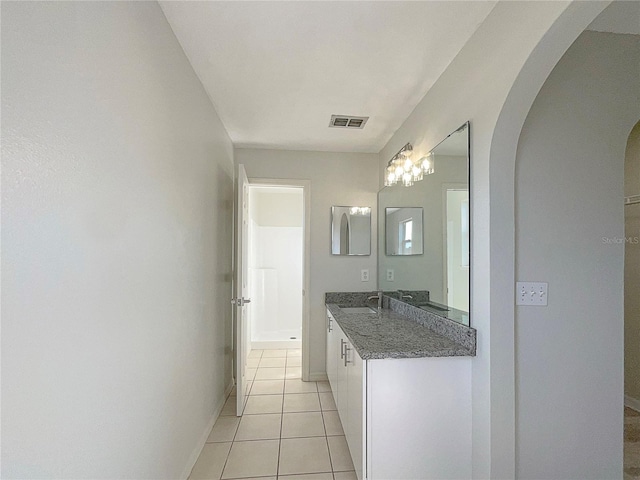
406 235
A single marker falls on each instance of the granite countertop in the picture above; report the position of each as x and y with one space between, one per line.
388 334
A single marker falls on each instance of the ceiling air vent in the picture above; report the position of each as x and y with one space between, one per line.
346 121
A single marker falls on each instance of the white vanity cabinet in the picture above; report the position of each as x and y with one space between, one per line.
404 418
345 370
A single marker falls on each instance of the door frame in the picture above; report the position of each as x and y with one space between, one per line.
306 256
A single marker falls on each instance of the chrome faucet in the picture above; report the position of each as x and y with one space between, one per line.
377 297
402 295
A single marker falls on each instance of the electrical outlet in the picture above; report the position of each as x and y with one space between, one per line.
532 293
391 276
364 275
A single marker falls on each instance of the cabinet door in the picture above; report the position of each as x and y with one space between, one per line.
333 354
355 428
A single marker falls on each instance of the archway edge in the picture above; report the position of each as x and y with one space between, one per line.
502 163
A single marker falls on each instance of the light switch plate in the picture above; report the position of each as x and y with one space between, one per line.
364 275
532 293
391 277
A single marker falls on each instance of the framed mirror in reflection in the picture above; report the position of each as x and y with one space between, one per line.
429 265
351 230
403 226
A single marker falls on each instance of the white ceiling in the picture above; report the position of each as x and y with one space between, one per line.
277 71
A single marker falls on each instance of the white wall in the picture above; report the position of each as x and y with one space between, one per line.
569 210
336 179
492 82
116 214
632 270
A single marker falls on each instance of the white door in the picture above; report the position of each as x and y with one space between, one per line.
242 279
457 272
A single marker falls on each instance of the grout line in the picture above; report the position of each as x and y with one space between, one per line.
280 439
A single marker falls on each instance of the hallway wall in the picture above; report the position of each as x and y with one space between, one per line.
569 220
344 179
116 245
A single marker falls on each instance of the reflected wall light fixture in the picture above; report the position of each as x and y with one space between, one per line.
403 168
360 210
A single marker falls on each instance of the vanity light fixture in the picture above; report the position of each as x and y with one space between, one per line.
360 210
402 168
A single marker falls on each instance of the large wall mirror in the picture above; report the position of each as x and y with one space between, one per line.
441 203
351 230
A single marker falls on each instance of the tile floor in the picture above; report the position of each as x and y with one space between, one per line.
631 444
290 429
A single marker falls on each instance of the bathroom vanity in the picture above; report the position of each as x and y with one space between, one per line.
401 380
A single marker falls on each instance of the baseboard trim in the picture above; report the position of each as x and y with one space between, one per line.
271 345
318 377
193 458
631 402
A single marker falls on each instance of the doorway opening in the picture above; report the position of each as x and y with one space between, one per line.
456 245
276 247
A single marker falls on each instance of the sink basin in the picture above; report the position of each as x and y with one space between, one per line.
357 310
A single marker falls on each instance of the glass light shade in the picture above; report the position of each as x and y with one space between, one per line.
427 165
390 179
407 179
417 173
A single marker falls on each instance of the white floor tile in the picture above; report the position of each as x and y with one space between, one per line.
332 423
293 372
270 373
224 429
294 352
267 387
274 353
252 459
269 362
210 462
255 354
327 402
305 424
250 373
298 386
229 408
259 427
345 476
340 456
252 362
324 387
263 404
307 476
304 455
294 361
301 402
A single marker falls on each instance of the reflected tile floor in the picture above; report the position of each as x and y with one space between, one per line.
631 444
290 429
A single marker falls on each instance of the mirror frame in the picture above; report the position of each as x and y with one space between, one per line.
333 232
